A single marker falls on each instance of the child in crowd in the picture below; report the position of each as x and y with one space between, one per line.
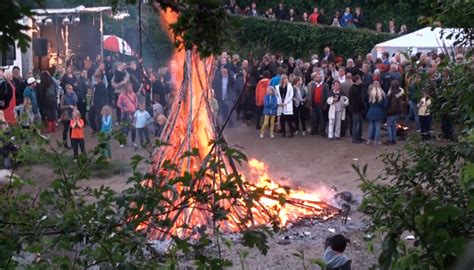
77 133
160 122
425 115
141 119
25 114
337 102
270 105
106 128
157 107
334 257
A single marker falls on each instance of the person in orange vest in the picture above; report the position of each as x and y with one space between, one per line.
77 133
260 92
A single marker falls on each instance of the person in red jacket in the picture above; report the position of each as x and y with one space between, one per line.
77 133
260 92
313 18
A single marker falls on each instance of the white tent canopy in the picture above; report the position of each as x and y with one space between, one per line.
423 40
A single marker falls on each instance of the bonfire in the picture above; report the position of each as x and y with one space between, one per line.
192 125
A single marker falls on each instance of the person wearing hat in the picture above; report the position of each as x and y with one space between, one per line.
30 93
6 91
334 256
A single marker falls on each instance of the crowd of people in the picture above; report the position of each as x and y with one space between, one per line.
322 96
346 18
79 98
332 97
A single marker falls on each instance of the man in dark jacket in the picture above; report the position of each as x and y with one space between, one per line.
318 94
356 108
388 77
225 93
281 13
394 95
20 85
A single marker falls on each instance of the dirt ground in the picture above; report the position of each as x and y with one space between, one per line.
310 162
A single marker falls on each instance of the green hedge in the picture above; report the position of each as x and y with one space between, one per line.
257 35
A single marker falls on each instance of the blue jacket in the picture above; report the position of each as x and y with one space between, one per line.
376 110
345 19
270 105
275 80
31 94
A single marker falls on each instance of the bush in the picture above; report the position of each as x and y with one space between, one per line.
253 35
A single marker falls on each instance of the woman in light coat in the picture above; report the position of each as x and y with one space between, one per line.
284 93
337 102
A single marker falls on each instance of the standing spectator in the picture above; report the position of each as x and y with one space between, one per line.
69 78
337 110
135 76
119 82
425 115
6 91
322 17
403 30
281 12
77 133
284 93
26 118
269 14
128 103
378 27
346 17
30 92
376 112
336 20
234 67
160 122
99 100
299 108
352 68
224 87
358 19
269 111
356 108
390 76
391 26
313 18
346 119
68 106
318 94
277 78
106 129
292 15
260 92
341 74
48 101
413 97
159 88
394 110
305 18
59 72
19 83
367 79
328 55
83 85
9 111
141 120
253 10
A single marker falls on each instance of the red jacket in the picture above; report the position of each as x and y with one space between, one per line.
261 91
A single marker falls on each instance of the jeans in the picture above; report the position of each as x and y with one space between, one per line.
78 143
258 116
392 127
318 123
117 110
413 111
127 126
268 120
143 134
374 131
356 126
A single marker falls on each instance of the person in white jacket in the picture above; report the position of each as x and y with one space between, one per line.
284 93
337 110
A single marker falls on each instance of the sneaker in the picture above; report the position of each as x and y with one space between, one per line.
272 136
368 142
296 133
135 145
377 143
261 136
122 146
304 133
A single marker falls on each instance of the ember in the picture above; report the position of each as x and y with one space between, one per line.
192 125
